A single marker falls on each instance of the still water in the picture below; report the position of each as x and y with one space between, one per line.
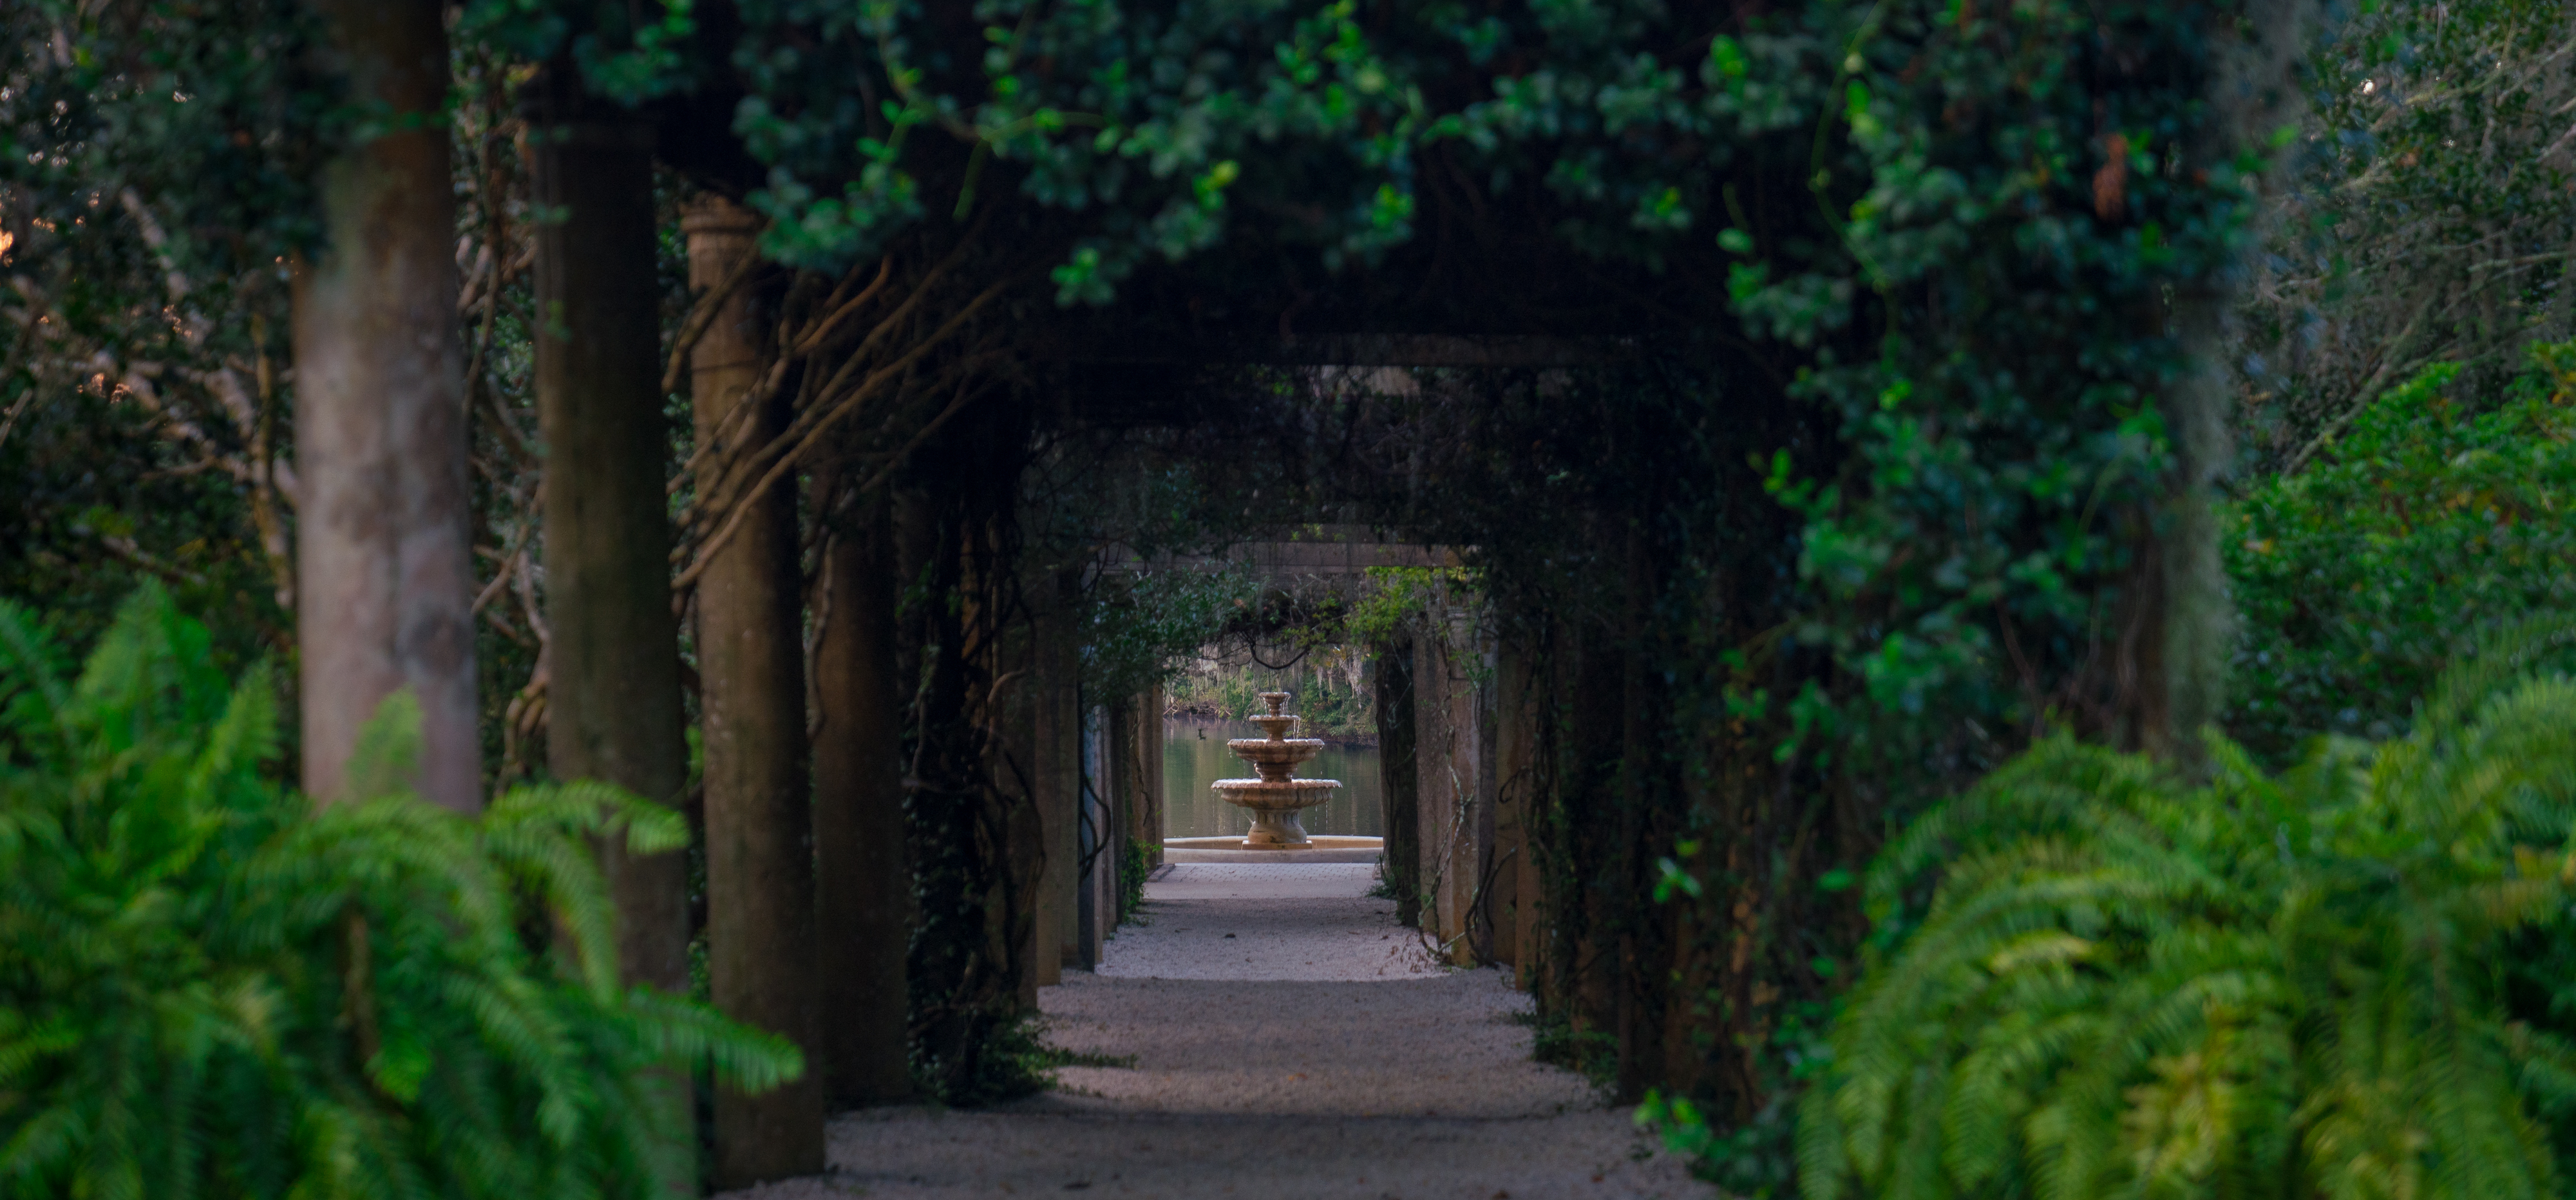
1194 756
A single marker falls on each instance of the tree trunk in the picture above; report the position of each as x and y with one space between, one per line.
863 880
2251 94
385 581
759 829
2196 617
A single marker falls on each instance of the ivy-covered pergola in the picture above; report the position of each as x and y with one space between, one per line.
1822 391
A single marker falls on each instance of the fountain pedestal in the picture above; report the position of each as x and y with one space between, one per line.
1275 798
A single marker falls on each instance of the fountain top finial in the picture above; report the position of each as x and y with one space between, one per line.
1278 723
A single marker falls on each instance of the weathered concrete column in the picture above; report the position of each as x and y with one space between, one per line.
1399 771
1512 909
1093 838
1136 761
1147 787
1436 787
1453 775
1589 674
1055 773
1158 778
1127 767
863 879
759 824
1017 763
1100 839
384 576
613 709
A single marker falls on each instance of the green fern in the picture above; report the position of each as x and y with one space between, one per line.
2265 986
210 988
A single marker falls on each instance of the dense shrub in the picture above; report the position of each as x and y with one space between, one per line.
2434 522
208 987
2287 985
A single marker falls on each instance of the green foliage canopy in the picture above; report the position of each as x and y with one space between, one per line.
1144 625
1145 119
156 171
2426 214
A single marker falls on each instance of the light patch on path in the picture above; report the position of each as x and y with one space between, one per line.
1309 923
1317 1052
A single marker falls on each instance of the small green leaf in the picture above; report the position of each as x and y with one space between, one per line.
1728 56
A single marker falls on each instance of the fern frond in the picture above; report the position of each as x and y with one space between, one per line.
184 1007
387 752
33 696
2270 985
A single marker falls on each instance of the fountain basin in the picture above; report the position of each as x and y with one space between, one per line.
1274 805
1320 848
1274 756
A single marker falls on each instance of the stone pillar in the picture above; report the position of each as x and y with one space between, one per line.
613 705
1432 790
1588 675
1089 836
1453 779
1102 838
1016 763
1149 779
1512 907
751 662
1481 885
1064 843
1127 768
1055 777
613 708
1399 739
863 879
384 570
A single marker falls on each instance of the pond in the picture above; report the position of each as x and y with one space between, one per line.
1194 756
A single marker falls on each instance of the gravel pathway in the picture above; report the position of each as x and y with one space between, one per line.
1288 1040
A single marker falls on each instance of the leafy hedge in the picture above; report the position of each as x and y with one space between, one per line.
2433 522
208 987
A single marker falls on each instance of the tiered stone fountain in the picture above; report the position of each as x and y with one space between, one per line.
1275 798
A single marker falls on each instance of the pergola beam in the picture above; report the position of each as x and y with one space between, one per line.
1355 350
